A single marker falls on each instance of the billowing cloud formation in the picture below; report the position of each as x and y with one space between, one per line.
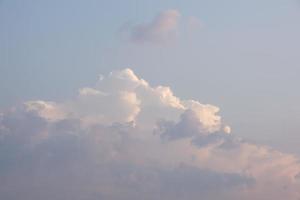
124 139
163 28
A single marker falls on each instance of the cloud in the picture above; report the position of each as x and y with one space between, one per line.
163 28
48 110
227 129
125 139
193 123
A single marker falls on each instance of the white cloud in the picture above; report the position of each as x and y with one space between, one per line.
124 139
47 110
227 129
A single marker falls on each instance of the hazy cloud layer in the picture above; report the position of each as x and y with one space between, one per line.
124 139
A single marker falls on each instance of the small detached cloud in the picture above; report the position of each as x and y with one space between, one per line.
163 28
125 139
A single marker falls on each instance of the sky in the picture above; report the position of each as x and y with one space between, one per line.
122 99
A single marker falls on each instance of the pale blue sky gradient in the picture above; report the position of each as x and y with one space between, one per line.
245 59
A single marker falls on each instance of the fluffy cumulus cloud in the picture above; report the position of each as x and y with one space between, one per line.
124 139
